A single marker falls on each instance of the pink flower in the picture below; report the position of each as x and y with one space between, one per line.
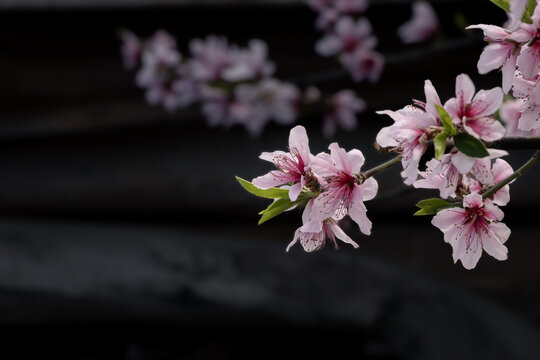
422 26
210 58
160 60
331 10
160 69
312 235
364 63
250 64
344 106
499 171
347 36
474 112
475 227
510 113
292 167
411 131
529 91
501 53
258 103
343 193
131 49
454 170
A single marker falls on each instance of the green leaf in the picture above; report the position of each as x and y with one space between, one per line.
269 194
503 4
432 206
446 120
276 208
531 5
471 146
440 145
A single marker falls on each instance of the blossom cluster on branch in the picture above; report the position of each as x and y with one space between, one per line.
515 50
234 85
472 179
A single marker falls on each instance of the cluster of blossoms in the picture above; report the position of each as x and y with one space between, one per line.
460 175
329 185
472 180
348 36
515 50
234 85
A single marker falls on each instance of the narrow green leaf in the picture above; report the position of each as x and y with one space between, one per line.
446 120
531 5
503 4
276 208
432 202
440 145
433 206
269 194
471 146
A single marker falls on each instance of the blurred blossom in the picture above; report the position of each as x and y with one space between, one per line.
510 113
160 64
422 26
210 58
131 49
269 99
331 10
250 63
348 36
344 106
364 64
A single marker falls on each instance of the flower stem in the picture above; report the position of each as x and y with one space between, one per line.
522 170
379 169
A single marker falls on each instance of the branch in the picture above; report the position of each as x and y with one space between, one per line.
522 170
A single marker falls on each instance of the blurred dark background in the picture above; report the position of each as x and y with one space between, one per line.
123 234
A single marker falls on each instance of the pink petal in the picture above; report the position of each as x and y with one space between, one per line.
369 189
464 89
529 61
361 219
268 181
517 9
501 170
473 200
492 32
493 247
463 163
501 231
295 190
493 57
448 218
298 140
487 102
471 257
339 157
432 99
508 70
271 156
356 160
340 234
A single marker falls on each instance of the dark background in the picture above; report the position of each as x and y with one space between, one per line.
123 234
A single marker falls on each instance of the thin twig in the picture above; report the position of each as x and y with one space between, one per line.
522 170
